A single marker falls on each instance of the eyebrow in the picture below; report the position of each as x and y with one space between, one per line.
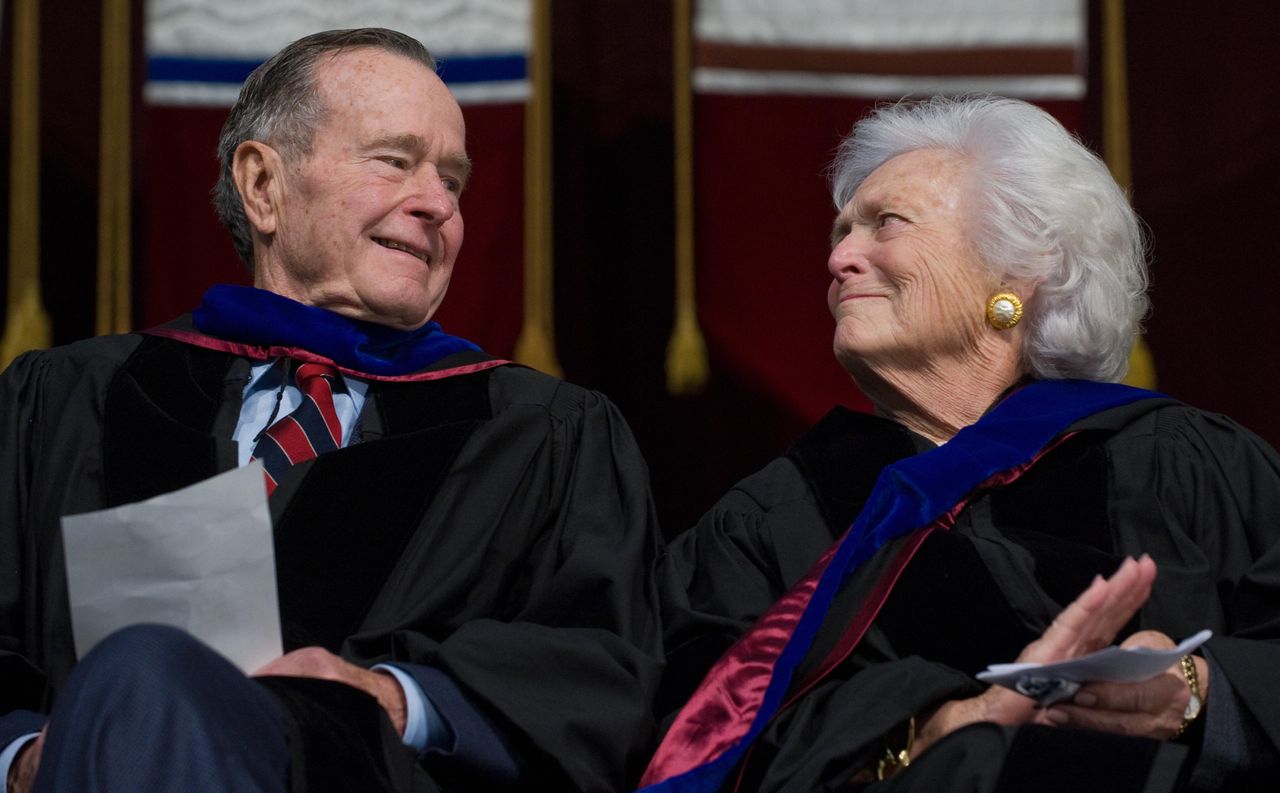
845 221
407 142
462 164
840 228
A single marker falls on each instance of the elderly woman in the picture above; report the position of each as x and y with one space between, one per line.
1007 500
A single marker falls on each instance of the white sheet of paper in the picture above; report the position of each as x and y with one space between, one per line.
201 559
1111 664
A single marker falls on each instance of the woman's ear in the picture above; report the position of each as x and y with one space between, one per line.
258 172
1026 288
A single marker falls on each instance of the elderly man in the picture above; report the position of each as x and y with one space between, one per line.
464 574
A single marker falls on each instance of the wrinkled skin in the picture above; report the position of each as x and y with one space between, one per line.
367 223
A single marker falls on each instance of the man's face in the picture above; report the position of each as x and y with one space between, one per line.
368 223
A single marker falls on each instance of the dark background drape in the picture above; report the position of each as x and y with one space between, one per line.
1204 105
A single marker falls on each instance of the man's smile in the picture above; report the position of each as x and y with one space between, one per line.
400 246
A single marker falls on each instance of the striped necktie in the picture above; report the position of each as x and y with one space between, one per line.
310 430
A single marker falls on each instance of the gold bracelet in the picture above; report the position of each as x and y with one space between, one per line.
893 762
1196 704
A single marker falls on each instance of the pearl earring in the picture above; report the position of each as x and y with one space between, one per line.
1004 310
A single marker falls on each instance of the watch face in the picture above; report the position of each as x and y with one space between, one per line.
1193 708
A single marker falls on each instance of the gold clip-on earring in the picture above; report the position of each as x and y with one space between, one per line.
1004 310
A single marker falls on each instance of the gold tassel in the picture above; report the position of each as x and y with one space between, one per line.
114 306
686 355
536 345
1142 366
1115 142
687 367
27 324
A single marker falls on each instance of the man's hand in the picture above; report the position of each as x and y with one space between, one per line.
1090 623
22 773
319 663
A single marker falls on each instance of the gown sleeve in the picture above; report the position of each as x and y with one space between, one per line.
22 684
1218 487
720 575
564 663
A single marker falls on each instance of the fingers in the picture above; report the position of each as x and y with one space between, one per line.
1154 640
1152 708
317 662
1132 593
1094 618
1162 692
1106 609
1160 726
307 662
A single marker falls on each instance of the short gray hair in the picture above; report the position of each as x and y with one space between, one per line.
1042 207
279 104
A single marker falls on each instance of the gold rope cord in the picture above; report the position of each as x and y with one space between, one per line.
687 367
114 307
536 345
1115 93
1115 142
26 324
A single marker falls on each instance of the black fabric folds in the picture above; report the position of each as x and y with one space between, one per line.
1195 491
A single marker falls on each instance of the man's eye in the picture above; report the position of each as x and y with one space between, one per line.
887 219
395 162
452 185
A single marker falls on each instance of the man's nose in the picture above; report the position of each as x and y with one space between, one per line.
431 199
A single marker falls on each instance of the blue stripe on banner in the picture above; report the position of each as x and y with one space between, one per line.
482 69
457 69
164 69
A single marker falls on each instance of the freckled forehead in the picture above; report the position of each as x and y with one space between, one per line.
371 83
923 180
342 70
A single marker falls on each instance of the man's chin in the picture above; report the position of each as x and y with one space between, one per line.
397 317
408 321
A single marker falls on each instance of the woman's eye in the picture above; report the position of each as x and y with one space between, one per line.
887 219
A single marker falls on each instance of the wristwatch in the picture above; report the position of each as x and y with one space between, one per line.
1196 703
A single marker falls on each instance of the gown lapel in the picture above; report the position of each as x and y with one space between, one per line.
164 414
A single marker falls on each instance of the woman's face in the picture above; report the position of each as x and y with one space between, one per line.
908 289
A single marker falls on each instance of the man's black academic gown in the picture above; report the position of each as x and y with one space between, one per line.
493 525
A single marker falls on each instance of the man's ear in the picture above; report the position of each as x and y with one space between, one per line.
258 172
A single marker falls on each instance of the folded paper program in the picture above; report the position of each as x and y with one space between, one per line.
200 559
1050 683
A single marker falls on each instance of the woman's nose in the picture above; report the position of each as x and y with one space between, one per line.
848 256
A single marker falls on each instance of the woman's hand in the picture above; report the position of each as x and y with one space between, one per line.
1090 623
1152 708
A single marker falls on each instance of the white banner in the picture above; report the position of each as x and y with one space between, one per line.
199 51
875 24
869 48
